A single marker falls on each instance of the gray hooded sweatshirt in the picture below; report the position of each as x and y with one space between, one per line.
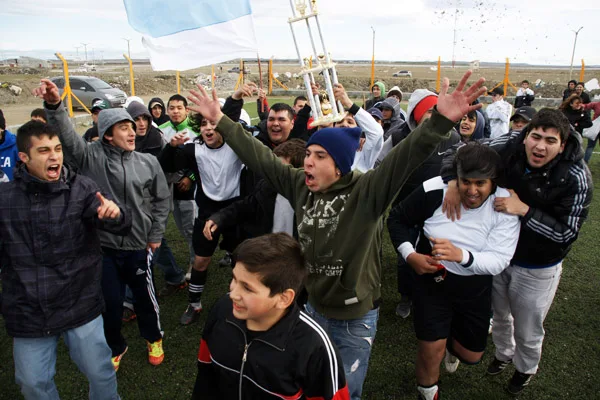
133 179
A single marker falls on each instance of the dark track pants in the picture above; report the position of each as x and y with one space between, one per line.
132 268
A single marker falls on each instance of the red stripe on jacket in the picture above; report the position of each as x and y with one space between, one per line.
204 353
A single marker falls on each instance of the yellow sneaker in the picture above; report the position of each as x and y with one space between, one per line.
117 359
156 355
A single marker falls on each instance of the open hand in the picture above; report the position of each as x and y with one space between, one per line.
108 209
453 106
209 107
47 91
153 247
184 184
209 228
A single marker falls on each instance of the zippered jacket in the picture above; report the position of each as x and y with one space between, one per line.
134 179
50 254
294 359
558 195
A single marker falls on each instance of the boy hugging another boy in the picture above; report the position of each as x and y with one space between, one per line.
257 343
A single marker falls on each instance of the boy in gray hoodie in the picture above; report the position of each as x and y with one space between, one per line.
137 182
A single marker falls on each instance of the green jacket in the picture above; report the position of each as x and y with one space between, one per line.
340 230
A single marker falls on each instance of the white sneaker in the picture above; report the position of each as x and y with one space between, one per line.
430 393
451 362
490 328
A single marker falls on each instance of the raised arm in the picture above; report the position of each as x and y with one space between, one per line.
256 156
73 143
387 180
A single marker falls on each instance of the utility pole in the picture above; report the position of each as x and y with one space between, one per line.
85 45
373 61
454 39
77 50
128 50
573 55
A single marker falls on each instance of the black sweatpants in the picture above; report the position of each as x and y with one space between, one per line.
132 268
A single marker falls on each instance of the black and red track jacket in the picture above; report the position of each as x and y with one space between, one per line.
295 359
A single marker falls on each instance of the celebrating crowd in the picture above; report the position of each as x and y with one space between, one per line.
482 207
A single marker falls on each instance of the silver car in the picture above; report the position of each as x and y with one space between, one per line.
90 89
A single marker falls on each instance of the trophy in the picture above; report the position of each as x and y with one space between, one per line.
333 110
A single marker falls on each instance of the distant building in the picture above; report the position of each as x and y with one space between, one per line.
25 62
474 65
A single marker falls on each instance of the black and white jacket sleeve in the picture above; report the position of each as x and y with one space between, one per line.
412 213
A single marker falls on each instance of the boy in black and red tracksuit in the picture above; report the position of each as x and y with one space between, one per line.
257 343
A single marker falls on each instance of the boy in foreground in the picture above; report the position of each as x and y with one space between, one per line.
256 341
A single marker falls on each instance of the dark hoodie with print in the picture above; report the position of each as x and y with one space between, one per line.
163 115
152 142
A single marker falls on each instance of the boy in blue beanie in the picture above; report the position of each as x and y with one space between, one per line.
334 205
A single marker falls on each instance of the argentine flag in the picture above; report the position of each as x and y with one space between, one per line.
186 34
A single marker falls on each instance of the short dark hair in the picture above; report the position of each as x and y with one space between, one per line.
551 118
277 258
581 83
40 113
303 98
31 129
573 81
294 149
475 157
177 97
525 81
277 107
472 114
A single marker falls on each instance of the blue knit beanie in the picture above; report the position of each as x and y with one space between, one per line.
340 143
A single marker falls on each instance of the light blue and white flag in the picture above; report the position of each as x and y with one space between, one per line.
186 34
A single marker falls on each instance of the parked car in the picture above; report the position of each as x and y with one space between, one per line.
404 73
236 70
89 89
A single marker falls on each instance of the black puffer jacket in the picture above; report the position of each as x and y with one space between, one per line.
558 194
50 253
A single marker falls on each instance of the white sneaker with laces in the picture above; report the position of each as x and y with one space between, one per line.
451 362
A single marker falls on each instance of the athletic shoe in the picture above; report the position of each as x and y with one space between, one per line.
403 308
188 275
169 289
156 355
116 361
497 366
128 314
190 315
430 393
451 362
490 328
518 382
226 261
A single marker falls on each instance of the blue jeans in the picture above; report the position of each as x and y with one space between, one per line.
589 150
165 260
35 362
354 339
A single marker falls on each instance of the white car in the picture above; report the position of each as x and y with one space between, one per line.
404 73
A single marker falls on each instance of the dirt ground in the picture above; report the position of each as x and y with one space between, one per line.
353 76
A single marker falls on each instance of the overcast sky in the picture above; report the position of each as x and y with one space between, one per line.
530 31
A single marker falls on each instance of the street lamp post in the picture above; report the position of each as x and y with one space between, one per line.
128 51
85 47
573 55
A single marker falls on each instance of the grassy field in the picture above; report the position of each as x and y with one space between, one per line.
569 369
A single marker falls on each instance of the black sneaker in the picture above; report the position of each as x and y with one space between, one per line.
226 261
169 289
497 366
190 315
518 382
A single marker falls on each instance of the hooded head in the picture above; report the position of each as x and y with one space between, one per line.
141 117
395 92
390 108
421 101
156 108
125 137
381 87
